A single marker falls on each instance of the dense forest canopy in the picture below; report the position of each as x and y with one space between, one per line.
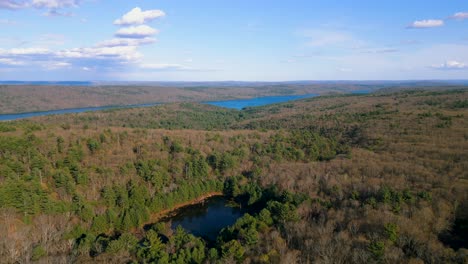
370 178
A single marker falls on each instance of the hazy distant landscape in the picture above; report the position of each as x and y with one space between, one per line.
21 97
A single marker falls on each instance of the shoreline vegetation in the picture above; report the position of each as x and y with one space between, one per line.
170 212
376 178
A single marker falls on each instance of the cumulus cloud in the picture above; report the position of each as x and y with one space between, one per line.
142 31
55 4
117 53
24 52
451 65
137 17
47 59
460 15
11 62
120 52
12 4
126 42
47 4
429 23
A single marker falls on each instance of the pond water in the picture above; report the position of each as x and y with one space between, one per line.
239 104
206 219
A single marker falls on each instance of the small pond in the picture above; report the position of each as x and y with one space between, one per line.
206 219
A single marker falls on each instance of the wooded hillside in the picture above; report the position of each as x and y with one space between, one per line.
335 179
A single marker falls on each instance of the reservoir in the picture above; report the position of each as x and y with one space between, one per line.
238 104
9 117
206 219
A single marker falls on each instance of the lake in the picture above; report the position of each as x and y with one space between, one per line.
239 104
206 219
235 104
9 117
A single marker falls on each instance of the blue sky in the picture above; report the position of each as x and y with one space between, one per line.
212 40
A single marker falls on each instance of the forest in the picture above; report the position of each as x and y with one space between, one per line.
339 178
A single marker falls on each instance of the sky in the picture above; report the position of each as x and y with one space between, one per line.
242 40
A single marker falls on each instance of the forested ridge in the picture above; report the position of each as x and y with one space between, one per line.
378 178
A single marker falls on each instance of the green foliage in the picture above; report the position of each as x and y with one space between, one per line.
29 198
265 217
38 252
221 162
93 145
391 231
5 127
233 249
151 171
377 249
152 249
100 224
425 195
125 243
196 167
460 104
82 208
282 213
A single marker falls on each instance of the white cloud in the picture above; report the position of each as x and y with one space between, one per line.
141 31
460 15
126 42
107 56
451 65
55 4
24 51
12 4
163 66
47 4
137 17
117 54
120 53
429 23
54 65
56 13
11 62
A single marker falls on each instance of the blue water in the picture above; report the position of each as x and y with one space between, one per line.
235 104
361 92
9 117
259 101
